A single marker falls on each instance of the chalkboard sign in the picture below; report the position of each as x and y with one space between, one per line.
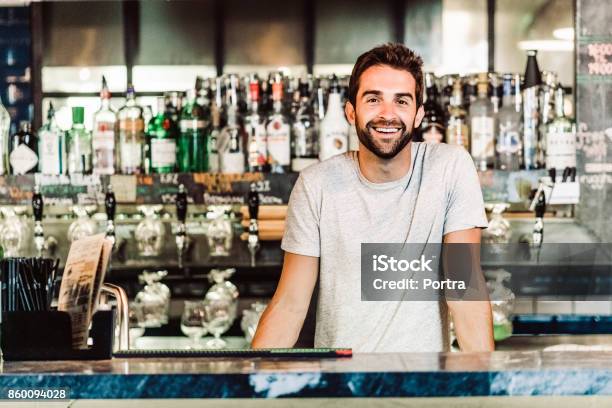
594 114
202 188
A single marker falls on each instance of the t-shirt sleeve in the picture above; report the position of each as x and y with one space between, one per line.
302 222
465 206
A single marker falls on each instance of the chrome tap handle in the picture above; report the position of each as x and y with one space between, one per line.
253 239
122 313
110 205
37 209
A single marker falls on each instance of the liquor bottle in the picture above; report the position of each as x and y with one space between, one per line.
509 134
230 143
457 131
131 135
496 91
547 111
447 95
483 126
79 144
334 130
5 126
194 125
432 126
560 137
469 91
174 104
162 133
213 141
103 137
51 146
23 148
531 114
254 123
305 133
278 132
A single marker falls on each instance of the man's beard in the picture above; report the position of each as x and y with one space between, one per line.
369 141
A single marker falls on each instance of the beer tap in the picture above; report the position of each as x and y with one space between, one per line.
39 233
538 227
253 240
110 205
181 229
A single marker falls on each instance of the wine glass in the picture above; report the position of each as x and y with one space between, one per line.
219 318
136 322
193 322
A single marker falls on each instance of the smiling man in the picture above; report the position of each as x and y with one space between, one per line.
391 191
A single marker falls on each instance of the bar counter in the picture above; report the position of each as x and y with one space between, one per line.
512 373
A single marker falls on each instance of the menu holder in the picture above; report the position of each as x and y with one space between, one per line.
47 335
81 281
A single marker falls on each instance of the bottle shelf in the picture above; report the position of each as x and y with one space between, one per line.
211 188
202 188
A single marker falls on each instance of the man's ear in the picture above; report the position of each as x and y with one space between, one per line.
349 111
419 116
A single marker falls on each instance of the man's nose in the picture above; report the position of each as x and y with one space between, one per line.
387 112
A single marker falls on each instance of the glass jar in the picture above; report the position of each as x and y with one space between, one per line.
83 226
13 231
220 233
154 298
250 320
150 231
502 302
498 230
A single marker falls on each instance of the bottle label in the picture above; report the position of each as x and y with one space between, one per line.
132 125
560 150
334 141
232 163
103 143
50 152
457 133
190 125
257 149
23 159
433 134
279 147
131 156
483 137
509 140
163 153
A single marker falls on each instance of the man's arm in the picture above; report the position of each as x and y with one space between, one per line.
281 322
472 319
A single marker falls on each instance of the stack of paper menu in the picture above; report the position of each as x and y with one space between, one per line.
81 281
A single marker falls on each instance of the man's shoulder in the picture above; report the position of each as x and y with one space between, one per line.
443 152
328 169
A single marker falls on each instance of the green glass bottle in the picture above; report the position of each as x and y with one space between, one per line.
193 140
79 144
162 133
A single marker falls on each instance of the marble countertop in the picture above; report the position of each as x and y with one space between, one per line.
513 373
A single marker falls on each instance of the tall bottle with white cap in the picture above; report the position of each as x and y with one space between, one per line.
5 125
103 136
334 130
531 113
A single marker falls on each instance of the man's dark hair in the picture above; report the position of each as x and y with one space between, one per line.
394 55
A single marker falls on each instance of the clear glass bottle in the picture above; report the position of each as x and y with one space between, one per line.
560 137
230 144
23 150
531 113
5 126
103 135
457 130
305 132
131 137
334 130
195 129
432 126
79 144
278 132
483 125
213 141
255 128
508 146
52 146
161 136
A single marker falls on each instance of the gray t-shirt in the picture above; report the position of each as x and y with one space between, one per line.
333 208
